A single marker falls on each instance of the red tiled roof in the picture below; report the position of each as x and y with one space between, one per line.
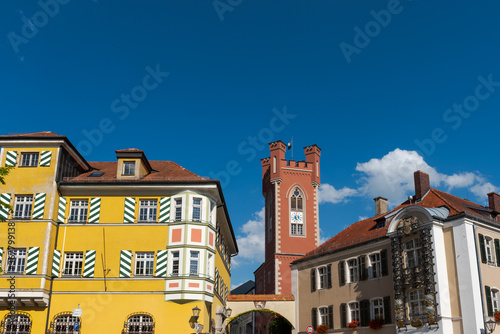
257 298
34 134
365 230
162 171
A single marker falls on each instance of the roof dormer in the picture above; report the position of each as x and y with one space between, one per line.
132 164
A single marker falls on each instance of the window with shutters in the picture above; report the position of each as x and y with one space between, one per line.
78 211
23 206
323 278
175 263
73 263
413 253
196 209
18 323
64 324
16 260
488 245
353 270
377 308
375 265
139 324
354 314
144 263
495 300
323 316
178 209
147 210
194 259
29 159
129 168
416 302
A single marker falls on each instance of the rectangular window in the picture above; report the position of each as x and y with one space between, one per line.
488 244
178 209
323 278
323 315
209 266
354 311
147 210
196 209
494 300
129 168
16 260
376 266
78 211
73 264
416 300
352 266
144 263
377 309
413 253
175 263
193 263
23 205
29 159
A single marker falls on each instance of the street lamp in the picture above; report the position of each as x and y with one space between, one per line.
196 312
490 325
196 315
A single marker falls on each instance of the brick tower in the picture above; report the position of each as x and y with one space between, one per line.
290 189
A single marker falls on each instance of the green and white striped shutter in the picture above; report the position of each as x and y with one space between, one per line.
164 210
4 211
88 270
39 207
32 264
45 158
1 256
10 158
161 263
95 210
61 211
125 263
129 213
56 263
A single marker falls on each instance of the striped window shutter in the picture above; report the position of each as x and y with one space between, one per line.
39 207
10 158
164 210
125 263
226 293
216 288
4 211
1 256
56 263
129 213
32 264
45 158
161 263
88 270
95 210
61 211
221 286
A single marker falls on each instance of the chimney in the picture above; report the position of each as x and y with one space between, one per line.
380 205
494 202
422 184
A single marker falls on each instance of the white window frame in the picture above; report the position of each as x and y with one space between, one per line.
64 323
144 263
354 313
127 171
19 326
16 258
178 208
29 159
413 253
194 262
495 299
140 320
81 207
416 298
210 265
73 264
377 308
198 207
213 212
323 315
352 270
375 265
175 259
322 277
25 205
490 250
150 209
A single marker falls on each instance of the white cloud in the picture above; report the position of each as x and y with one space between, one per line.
392 177
251 240
328 194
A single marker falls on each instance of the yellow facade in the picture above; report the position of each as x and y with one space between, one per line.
171 255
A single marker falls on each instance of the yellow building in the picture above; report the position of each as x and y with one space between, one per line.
134 244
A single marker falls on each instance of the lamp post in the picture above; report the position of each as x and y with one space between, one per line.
196 315
490 325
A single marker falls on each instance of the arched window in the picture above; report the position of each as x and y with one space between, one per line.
140 323
296 212
18 323
64 323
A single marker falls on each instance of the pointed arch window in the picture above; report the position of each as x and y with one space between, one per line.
297 212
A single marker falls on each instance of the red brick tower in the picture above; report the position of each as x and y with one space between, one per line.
290 189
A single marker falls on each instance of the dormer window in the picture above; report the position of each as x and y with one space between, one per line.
129 168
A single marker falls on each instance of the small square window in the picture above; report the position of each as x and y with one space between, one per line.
144 264
147 210
23 206
29 159
16 260
78 211
73 264
129 168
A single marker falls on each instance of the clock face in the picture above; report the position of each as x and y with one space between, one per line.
296 217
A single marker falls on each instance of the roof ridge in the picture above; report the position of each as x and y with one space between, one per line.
436 192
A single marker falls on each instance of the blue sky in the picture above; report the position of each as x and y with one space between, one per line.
383 87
